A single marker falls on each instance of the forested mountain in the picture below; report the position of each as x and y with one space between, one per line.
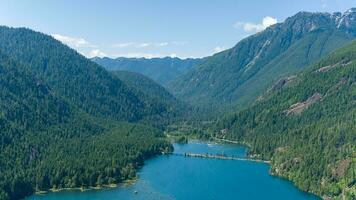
162 70
156 93
67 122
306 124
26 102
61 118
81 81
147 86
240 74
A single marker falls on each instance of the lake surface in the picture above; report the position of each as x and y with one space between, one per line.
184 178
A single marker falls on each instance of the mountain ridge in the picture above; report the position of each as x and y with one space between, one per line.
66 122
161 70
235 76
306 126
76 78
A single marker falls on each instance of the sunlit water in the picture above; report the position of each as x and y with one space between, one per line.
184 178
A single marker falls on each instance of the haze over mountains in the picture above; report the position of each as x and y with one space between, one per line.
162 70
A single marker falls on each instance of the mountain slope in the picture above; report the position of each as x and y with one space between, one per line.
145 85
26 103
239 75
28 107
155 93
79 80
306 126
162 70
59 119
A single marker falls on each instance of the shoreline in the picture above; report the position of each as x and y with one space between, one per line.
125 183
129 182
231 141
269 162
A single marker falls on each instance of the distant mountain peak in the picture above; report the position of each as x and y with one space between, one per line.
350 11
310 21
238 75
161 70
346 20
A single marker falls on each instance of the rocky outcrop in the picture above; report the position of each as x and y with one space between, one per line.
329 67
298 108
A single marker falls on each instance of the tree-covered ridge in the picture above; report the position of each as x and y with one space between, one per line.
81 81
240 74
79 154
106 158
162 70
176 109
26 103
148 87
59 119
306 126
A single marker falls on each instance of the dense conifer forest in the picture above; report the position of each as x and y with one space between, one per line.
306 125
61 119
67 122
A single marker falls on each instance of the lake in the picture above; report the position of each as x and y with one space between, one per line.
176 177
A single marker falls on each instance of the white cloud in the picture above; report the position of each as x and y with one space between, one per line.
123 45
144 55
251 27
162 44
73 42
218 49
173 55
178 43
142 45
90 50
96 53
131 44
147 44
268 21
139 55
323 4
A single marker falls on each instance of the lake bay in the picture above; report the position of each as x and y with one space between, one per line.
177 177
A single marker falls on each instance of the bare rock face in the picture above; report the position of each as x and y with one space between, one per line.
329 67
240 75
281 83
341 168
346 21
306 22
298 108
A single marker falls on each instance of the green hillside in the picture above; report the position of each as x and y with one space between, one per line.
306 126
60 119
26 102
239 75
147 86
161 70
82 82
67 122
156 93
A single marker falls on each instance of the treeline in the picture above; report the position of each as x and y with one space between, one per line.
314 146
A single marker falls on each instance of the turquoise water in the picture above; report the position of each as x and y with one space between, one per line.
184 178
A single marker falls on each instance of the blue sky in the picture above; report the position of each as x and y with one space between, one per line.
155 28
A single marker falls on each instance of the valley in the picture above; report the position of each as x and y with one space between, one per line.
276 114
